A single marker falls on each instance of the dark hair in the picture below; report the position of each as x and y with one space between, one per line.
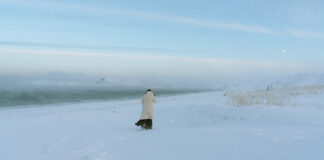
148 90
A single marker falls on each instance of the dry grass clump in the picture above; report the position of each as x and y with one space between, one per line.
277 96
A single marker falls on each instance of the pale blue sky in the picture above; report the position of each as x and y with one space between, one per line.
253 31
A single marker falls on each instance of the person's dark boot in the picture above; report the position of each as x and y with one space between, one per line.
144 123
148 124
138 123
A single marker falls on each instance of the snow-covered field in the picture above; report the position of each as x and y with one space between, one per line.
189 127
287 96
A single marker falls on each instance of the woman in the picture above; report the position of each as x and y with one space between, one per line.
147 112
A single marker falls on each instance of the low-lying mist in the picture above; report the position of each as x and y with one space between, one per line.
59 87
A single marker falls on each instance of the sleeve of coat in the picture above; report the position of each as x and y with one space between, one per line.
142 101
154 99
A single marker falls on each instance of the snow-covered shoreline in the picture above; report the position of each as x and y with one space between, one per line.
192 126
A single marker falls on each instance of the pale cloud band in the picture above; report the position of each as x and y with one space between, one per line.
305 34
99 11
132 65
102 12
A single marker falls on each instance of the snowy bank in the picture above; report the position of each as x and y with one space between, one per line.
196 126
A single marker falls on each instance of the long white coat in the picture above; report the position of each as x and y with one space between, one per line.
147 103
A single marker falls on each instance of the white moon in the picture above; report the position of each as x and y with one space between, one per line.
284 51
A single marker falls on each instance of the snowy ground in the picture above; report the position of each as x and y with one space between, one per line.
197 126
